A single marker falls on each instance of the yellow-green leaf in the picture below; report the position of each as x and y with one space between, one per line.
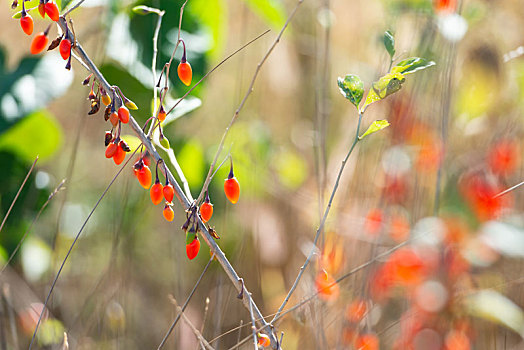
352 88
385 86
411 65
377 125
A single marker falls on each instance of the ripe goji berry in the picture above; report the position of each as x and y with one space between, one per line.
185 73
168 213
111 150
156 192
263 340
113 118
168 191
193 248
232 187
123 114
52 11
26 22
144 176
65 48
39 43
41 8
206 209
161 114
119 155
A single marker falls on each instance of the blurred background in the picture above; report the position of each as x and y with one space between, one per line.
428 182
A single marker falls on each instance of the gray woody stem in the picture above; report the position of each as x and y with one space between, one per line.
228 268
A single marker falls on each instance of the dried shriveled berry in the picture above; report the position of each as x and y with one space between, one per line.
26 22
52 11
119 155
39 43
156 192
54 44
108 138
168 213
169 192
193 248
123 114
111 150
124 146
65 48
185 73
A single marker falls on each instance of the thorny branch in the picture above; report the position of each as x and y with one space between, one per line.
220 256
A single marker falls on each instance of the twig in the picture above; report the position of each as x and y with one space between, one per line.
508 190
18 194
322 223
241 105
239 332
185 305
253 327
73 244
155 54
58 188
73 8
146 141
190 324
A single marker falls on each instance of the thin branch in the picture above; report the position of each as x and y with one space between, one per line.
185 304
73 8
73 244
51 196
18 194
508 190
155 54
190 324
253 327
322 223
241 105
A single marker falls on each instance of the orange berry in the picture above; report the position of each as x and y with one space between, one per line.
65 48
457 340
367 342
169 192
119 155
206 211
111 149
168 213
185 73
327 287
445 6
41 8
123 114
144 176
263 340
161 114
39 43
192 249
52 11
504 158
356 311
26 22
232 189
373 222
113 118
156 193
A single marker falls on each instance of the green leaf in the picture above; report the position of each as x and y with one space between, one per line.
377 125
144 10
36 134
385 86
389 43
352 88
271 11
64 4
495 307
213 16
191 159
132 141
411 65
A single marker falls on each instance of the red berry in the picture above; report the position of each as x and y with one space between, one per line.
119 155
169 192
168 213
162 114
123 114
156 193
39 43
52 11
192 249
111 149
144 176
41 9
113 118
26 22
206 211
263 340
232 189
185 73
65 48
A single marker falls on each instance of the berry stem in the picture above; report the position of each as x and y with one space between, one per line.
183 59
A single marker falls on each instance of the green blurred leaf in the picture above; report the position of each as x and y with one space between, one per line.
495 307
411 65
352 88
187 105
64 4
191 160
51 332
377 125
213 15
37 134
132 141
271 11
385 86
291 169
389 43
144 10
